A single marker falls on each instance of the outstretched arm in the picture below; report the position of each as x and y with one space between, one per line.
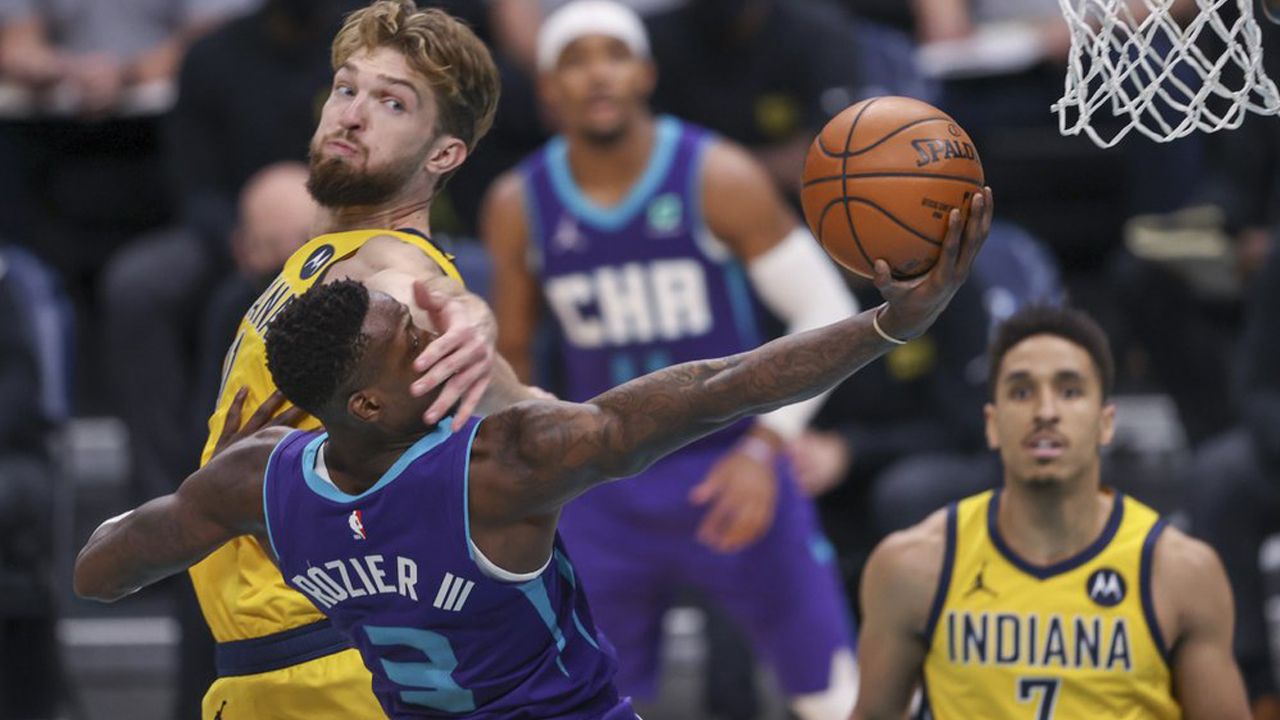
166 535
531 459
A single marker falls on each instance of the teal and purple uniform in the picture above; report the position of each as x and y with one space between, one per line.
634 288
394 570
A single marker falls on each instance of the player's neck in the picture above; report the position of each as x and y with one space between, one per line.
1049 524
356 461
391 216
606 172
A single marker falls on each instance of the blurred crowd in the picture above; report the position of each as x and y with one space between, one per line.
152 173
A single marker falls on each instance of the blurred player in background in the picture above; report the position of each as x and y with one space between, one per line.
636 231
1052 597
413 92
387 510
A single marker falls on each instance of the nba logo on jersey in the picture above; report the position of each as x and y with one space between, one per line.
1106 587
357 525
316 262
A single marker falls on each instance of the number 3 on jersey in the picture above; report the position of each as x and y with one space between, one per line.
1045 688
434 679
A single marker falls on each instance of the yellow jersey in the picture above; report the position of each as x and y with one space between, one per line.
1077 640
239 588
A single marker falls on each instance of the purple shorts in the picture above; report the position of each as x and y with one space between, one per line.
633 543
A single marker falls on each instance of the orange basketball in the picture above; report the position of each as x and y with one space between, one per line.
881 179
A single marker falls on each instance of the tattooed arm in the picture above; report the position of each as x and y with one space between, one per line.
534 457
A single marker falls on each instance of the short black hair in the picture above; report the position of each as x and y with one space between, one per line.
1070 324
315 344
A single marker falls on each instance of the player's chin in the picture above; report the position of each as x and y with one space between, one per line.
1042 478
604 127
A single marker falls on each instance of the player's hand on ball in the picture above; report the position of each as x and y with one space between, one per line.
913 305
741 493
264 416
461 358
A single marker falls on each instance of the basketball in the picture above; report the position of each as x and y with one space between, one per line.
881 179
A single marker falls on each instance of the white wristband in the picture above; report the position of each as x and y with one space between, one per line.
756 449
875 323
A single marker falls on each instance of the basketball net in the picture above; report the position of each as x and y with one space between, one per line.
1133 66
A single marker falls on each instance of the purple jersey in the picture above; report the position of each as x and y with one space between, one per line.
641 285
394 569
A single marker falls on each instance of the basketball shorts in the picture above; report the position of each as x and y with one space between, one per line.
334 686
634 547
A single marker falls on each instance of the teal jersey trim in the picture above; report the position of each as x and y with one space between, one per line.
611 219
327 491
266 511
466 492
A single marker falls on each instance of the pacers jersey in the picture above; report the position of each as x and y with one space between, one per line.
240 590
1077 640
394 569
641 285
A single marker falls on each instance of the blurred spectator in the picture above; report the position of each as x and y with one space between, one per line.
94 52
83 87
248 96
33 329
765 73
1234 486
276 213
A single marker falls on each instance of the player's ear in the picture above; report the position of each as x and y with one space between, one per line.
993 434
446 154
1107 423
364 406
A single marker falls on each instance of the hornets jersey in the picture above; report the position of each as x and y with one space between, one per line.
642 285
1076 640
394 569
240 590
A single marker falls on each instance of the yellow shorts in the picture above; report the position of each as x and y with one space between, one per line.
333 686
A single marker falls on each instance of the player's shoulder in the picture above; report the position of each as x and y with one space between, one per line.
502 214
726 161
908 563
507 190
254 451
1181 561
385 250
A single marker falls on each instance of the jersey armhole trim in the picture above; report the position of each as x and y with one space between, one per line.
266 476
1146 591
487 567
944 578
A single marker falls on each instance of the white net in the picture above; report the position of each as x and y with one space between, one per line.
1134 66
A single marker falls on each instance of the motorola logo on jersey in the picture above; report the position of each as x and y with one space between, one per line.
316 261
1106 587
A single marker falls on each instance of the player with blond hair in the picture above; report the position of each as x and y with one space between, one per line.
413 92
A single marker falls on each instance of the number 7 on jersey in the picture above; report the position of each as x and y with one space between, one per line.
1047 688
